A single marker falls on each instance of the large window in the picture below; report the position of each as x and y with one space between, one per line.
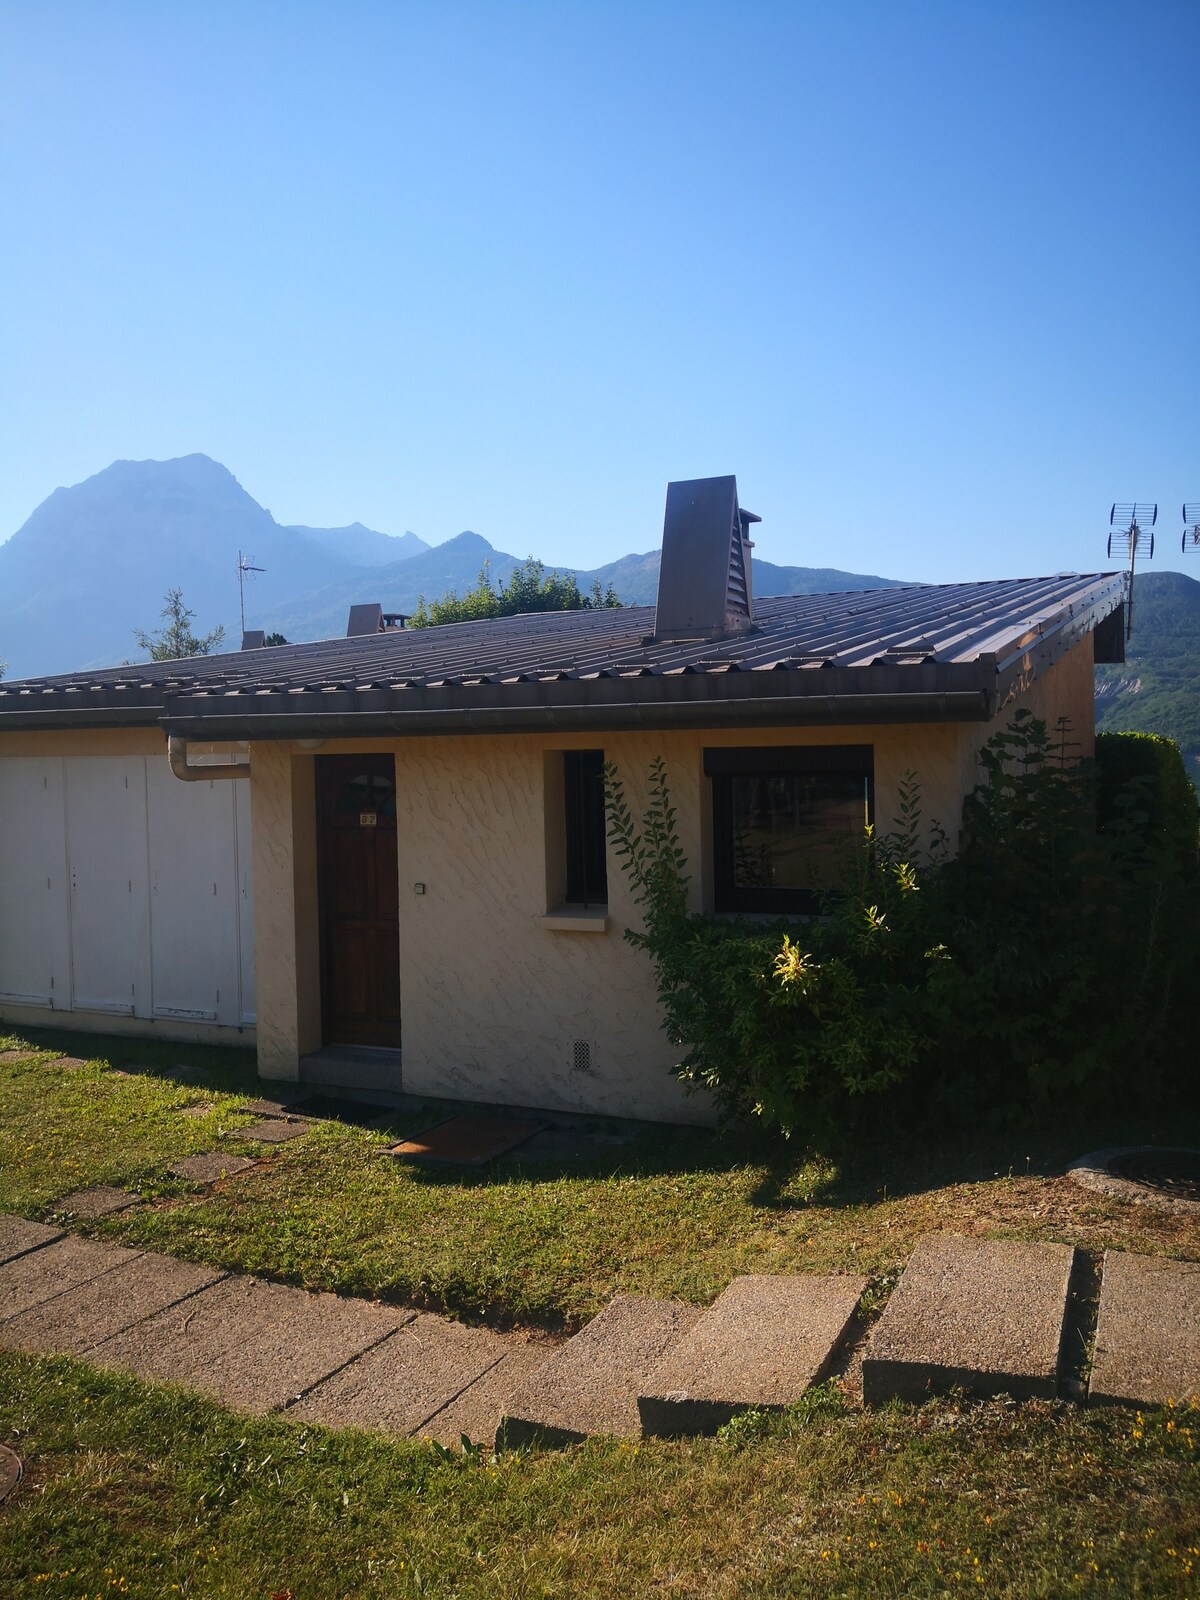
583 794
785 822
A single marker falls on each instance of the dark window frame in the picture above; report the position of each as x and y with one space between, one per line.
585 829
721 766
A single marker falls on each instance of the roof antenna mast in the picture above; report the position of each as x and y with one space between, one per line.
1191 526
244 567
1130 534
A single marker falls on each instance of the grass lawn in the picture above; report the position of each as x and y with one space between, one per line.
148 1493
144 1491
675 1215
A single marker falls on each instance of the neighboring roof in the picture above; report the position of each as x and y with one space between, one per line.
925 652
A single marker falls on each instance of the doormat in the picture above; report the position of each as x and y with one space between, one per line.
333 1108
467 1141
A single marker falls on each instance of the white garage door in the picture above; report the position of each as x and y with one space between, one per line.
123 890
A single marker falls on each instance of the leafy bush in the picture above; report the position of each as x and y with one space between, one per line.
787 1020
529 588
1045 960
1147 770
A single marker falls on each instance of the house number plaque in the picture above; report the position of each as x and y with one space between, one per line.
368 819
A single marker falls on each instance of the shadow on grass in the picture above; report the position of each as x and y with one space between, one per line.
836 1173
221 1067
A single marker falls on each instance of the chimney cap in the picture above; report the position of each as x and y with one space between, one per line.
704 588
254 639
373 619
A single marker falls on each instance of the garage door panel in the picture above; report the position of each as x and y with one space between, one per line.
195 896
35 963
109 885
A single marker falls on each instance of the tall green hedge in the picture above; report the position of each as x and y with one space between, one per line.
1148 769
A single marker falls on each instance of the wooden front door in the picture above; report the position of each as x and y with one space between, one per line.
359 900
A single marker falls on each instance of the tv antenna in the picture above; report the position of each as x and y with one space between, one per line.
1191 525
244 568
1130 534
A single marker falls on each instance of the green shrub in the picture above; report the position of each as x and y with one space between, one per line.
1048 959
1148 770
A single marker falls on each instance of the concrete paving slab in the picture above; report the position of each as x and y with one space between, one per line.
591 1384
104 1200
86 1315
467 1141
1147 1332
208 1168
762 1343
396 1387
273 1130
250 1344
42 1274
9 1056
477 1411
11 1472
201 1109
985 1315
68 1063
18 1237
268 1108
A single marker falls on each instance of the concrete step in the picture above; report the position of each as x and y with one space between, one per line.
591 1384
18 1237
398 1385
477 1411
72 1322
762 1343
985 1315
63 1264
252 1345
349 1066
1147 1332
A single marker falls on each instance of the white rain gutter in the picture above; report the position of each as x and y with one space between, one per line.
207 766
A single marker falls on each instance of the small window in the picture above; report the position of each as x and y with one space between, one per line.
583 796
785 821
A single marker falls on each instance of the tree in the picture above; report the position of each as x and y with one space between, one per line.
529 588
275 638
177 639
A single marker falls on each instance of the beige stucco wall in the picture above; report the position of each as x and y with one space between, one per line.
286 950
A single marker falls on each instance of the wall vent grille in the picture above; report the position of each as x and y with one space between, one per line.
581 1056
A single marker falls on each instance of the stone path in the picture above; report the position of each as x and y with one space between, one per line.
987 1316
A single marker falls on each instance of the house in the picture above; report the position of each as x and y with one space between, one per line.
391 846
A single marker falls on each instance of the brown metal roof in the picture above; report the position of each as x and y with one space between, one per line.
940 651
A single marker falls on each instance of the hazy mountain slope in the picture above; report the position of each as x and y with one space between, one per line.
455 565
635 578
1158 688
362 546
94 561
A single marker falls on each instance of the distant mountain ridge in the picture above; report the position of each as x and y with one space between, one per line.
93 562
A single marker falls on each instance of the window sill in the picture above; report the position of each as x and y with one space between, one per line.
577 919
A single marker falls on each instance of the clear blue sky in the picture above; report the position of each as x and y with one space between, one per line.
925 276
